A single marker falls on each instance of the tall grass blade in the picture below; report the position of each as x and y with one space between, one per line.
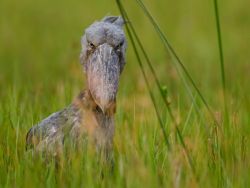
157 80
125 17
216 10
144 74
223 80
169 47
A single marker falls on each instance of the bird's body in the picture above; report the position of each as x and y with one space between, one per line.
80 120
91 115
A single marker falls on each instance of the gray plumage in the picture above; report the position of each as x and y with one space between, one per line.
91 114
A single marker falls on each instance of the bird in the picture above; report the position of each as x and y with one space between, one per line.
91 114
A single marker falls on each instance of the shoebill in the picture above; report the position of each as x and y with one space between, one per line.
91 114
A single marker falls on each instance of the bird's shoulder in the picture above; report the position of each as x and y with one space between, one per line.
54 125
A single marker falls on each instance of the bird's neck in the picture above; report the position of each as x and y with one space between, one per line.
86 102
98 125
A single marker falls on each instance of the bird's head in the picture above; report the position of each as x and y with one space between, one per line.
103 58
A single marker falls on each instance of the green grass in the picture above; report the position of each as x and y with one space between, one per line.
40 74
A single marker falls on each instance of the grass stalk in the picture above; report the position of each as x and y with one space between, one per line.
223 80
174 55
144 75
222 67
125 17
157 80
188 76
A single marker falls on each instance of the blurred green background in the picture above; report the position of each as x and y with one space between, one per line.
40 73
42 34
40 41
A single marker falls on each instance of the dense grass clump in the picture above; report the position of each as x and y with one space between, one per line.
183 106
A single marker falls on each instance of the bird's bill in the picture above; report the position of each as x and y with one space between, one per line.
103 71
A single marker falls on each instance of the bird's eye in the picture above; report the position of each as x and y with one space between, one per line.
91 45
119 46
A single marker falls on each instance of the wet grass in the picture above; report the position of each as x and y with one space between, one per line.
165 135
